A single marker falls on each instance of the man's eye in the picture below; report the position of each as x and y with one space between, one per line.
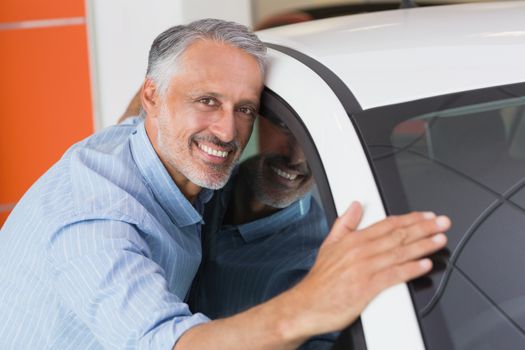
208 101
248 111
279 124
282 126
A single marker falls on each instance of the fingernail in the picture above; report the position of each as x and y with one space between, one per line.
425 264
352 206
429 215
443 222
439 238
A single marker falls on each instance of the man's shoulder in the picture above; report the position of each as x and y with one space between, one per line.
103 174
107 140
96 177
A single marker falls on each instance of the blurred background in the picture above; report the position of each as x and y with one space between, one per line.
70 67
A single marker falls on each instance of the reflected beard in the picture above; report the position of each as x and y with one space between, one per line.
267 192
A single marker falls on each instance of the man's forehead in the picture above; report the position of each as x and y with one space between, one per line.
218 70
210 51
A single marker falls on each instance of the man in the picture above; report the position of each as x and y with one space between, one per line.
101 251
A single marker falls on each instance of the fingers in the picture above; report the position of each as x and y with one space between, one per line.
346 223
399 274
402 254
394 222
402 236
352 216
396 256
357 266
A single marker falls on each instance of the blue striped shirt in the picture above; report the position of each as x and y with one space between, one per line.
245 265
101 251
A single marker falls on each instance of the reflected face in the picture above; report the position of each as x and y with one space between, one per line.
206 116
280 174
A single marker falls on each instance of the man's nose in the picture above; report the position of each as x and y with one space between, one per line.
296 154
224 125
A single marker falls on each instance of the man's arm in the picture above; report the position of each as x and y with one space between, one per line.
351 269
104 274
133 108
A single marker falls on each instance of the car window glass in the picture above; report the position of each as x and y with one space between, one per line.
469 163
262 231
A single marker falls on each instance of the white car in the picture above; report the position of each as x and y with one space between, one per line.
420 109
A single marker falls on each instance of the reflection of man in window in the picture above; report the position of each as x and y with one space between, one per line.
275 178
263 231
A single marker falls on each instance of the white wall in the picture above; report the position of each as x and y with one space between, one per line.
120 34
232 10
266 8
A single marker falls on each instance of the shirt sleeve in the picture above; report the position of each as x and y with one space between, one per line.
103 271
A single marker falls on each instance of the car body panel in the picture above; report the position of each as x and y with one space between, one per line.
396 56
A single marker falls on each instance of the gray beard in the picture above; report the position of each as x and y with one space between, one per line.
211 180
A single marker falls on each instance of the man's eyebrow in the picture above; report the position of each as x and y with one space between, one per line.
195 94
243 102
253 103
275 120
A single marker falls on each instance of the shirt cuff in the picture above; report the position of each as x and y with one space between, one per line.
166 335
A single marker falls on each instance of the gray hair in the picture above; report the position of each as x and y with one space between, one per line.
170 44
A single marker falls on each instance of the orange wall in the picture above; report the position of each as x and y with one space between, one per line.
25 10
45 92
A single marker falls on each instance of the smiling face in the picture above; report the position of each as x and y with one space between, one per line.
280 174
203 122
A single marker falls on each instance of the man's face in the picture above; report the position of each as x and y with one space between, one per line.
280 174
203 122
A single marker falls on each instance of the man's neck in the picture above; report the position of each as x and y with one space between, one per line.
188 188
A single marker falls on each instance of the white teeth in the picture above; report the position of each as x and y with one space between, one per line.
213 152
284 174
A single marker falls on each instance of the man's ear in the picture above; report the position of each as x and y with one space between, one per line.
149 98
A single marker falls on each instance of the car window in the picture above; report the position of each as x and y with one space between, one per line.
461 155
262 231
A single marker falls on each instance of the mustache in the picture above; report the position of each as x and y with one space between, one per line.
229 146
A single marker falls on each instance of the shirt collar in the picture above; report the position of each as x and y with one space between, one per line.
271 224
166 192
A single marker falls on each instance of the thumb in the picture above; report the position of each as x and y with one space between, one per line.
346 223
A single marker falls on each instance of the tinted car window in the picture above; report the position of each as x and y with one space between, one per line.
461 155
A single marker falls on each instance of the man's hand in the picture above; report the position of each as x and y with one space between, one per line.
133 108
354 266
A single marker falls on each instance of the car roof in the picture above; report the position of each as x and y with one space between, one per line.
403 55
